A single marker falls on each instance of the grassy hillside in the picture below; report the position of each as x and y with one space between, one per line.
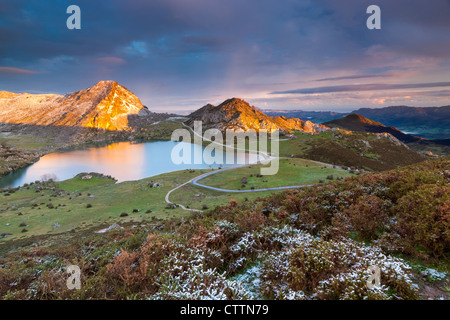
75 204
310 243
359 150
292 172
49 208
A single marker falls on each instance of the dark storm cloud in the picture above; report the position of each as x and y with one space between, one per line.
185 50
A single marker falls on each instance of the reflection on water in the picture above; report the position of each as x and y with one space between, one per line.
124 161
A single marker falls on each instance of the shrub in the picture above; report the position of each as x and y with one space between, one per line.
424 218
316 269
232 203
163 268
16 278
249 221
367 217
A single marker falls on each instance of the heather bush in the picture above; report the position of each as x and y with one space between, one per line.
186 276
137 271
319 269
50 285
367 217
424 218
15 277
249 221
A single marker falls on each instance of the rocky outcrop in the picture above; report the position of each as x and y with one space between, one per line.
106 105
237 114
12 159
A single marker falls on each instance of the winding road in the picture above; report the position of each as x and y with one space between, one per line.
195 181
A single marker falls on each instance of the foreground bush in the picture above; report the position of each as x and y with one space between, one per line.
318 269
424 219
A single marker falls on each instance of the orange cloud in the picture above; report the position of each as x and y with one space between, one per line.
379 101
13 70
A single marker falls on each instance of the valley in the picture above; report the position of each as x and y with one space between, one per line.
187 209
309 154
69 204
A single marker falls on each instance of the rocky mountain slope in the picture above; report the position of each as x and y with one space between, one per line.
32 125
106 105
238 114
359 123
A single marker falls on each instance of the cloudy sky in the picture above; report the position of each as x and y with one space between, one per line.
178 55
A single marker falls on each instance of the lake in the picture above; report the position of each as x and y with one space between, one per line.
125 161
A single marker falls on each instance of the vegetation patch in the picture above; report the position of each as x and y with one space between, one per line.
292 172
310 243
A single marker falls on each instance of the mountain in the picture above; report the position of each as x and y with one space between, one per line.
354 122
238 114
106 105
359 123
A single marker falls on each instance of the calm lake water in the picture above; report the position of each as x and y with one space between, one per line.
124 161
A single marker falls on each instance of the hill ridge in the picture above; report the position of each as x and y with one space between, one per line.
359 123
236 113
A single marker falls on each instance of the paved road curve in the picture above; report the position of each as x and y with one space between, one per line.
195 181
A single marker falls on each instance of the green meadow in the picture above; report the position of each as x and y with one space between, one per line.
77 204
291 172
81 204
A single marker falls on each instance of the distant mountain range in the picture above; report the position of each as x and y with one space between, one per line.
432 122
110 106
